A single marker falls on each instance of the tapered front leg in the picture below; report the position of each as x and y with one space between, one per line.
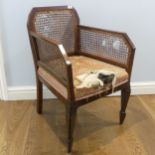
125 94
39 96
71 119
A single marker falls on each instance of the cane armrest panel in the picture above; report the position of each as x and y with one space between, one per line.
52 57
110 46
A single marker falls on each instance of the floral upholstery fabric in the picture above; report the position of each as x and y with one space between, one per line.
83 64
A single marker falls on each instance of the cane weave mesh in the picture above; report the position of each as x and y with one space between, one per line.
57 25
108 45
52 60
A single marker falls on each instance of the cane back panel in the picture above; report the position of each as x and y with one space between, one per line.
57 24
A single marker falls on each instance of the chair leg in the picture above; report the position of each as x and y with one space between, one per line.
125 94
72 111
39 96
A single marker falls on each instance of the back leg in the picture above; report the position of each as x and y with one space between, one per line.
125 94
39 96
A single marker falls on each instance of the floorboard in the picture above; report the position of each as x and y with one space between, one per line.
97 132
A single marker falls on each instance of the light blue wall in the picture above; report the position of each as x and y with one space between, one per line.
132 16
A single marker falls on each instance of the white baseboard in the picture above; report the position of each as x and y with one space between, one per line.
140 88
26 93
29 92
143 88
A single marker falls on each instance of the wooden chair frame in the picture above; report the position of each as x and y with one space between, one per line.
71 102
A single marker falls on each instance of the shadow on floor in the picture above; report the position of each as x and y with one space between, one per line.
90 126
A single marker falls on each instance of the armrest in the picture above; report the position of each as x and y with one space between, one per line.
52 43
53 58
110 46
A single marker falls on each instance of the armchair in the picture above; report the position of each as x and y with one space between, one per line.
63 49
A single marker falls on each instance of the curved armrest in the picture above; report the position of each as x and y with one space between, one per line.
53 58
110 46
52 43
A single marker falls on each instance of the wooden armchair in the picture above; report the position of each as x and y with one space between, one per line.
63 49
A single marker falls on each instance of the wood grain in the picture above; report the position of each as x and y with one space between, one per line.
97 132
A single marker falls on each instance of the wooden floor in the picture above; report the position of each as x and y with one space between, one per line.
24 132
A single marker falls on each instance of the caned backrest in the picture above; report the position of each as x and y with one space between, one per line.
56 23
53 31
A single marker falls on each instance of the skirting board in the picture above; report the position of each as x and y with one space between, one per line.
29 92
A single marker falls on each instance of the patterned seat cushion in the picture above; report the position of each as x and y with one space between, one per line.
83 64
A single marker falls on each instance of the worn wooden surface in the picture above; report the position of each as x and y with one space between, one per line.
97 132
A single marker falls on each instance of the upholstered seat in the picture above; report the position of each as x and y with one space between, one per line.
81 65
